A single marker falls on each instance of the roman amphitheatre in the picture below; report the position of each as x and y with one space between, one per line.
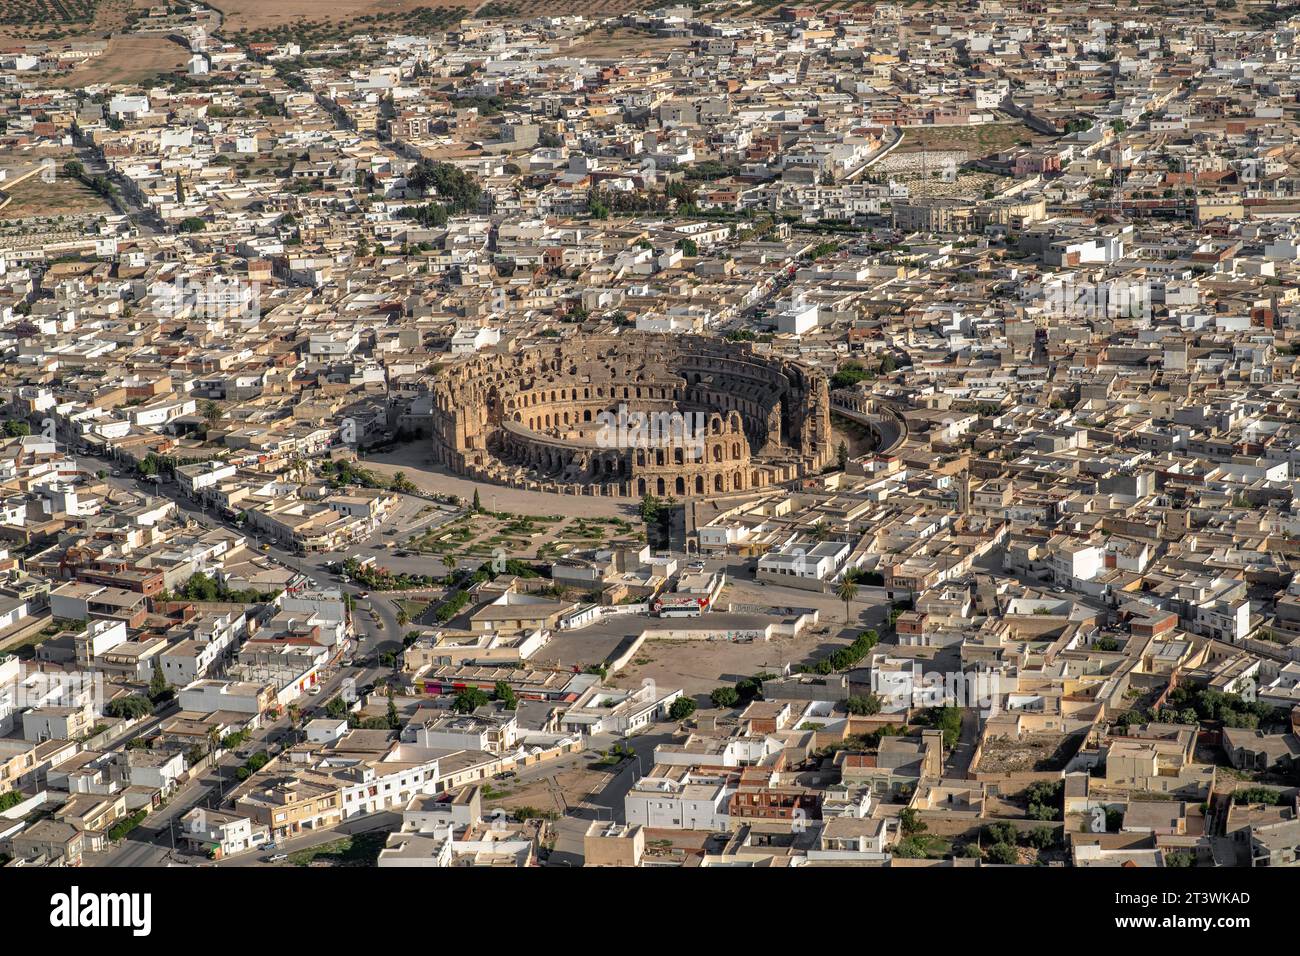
539 418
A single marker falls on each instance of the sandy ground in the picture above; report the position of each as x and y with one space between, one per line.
129 59
413 459
699 666
575 782
603 43
260 14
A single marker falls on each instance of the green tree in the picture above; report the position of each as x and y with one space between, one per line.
469 700
392 716
451 184
948 720
909 822
1004 853
504 693
846 592
159 687
724 697
128 708
201 587
1040 838
863 706
681 708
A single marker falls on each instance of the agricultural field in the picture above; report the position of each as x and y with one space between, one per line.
65 19
264 19
592 9
309 20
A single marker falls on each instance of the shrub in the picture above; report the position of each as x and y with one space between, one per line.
724 697
681 708
1004 853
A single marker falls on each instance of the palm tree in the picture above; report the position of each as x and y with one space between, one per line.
211 411
848 590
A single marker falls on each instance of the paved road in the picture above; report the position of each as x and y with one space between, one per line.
372 636
378 821
139 217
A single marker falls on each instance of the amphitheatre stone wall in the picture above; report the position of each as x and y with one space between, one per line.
541 418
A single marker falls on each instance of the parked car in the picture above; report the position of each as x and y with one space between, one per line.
277 857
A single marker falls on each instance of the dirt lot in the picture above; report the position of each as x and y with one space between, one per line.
610 42
129 59
575 782
699 666
63 197
414 459
979 141
1036 752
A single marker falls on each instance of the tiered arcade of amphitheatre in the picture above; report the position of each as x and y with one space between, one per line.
534 418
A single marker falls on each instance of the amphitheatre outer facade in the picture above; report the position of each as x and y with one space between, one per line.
539 418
